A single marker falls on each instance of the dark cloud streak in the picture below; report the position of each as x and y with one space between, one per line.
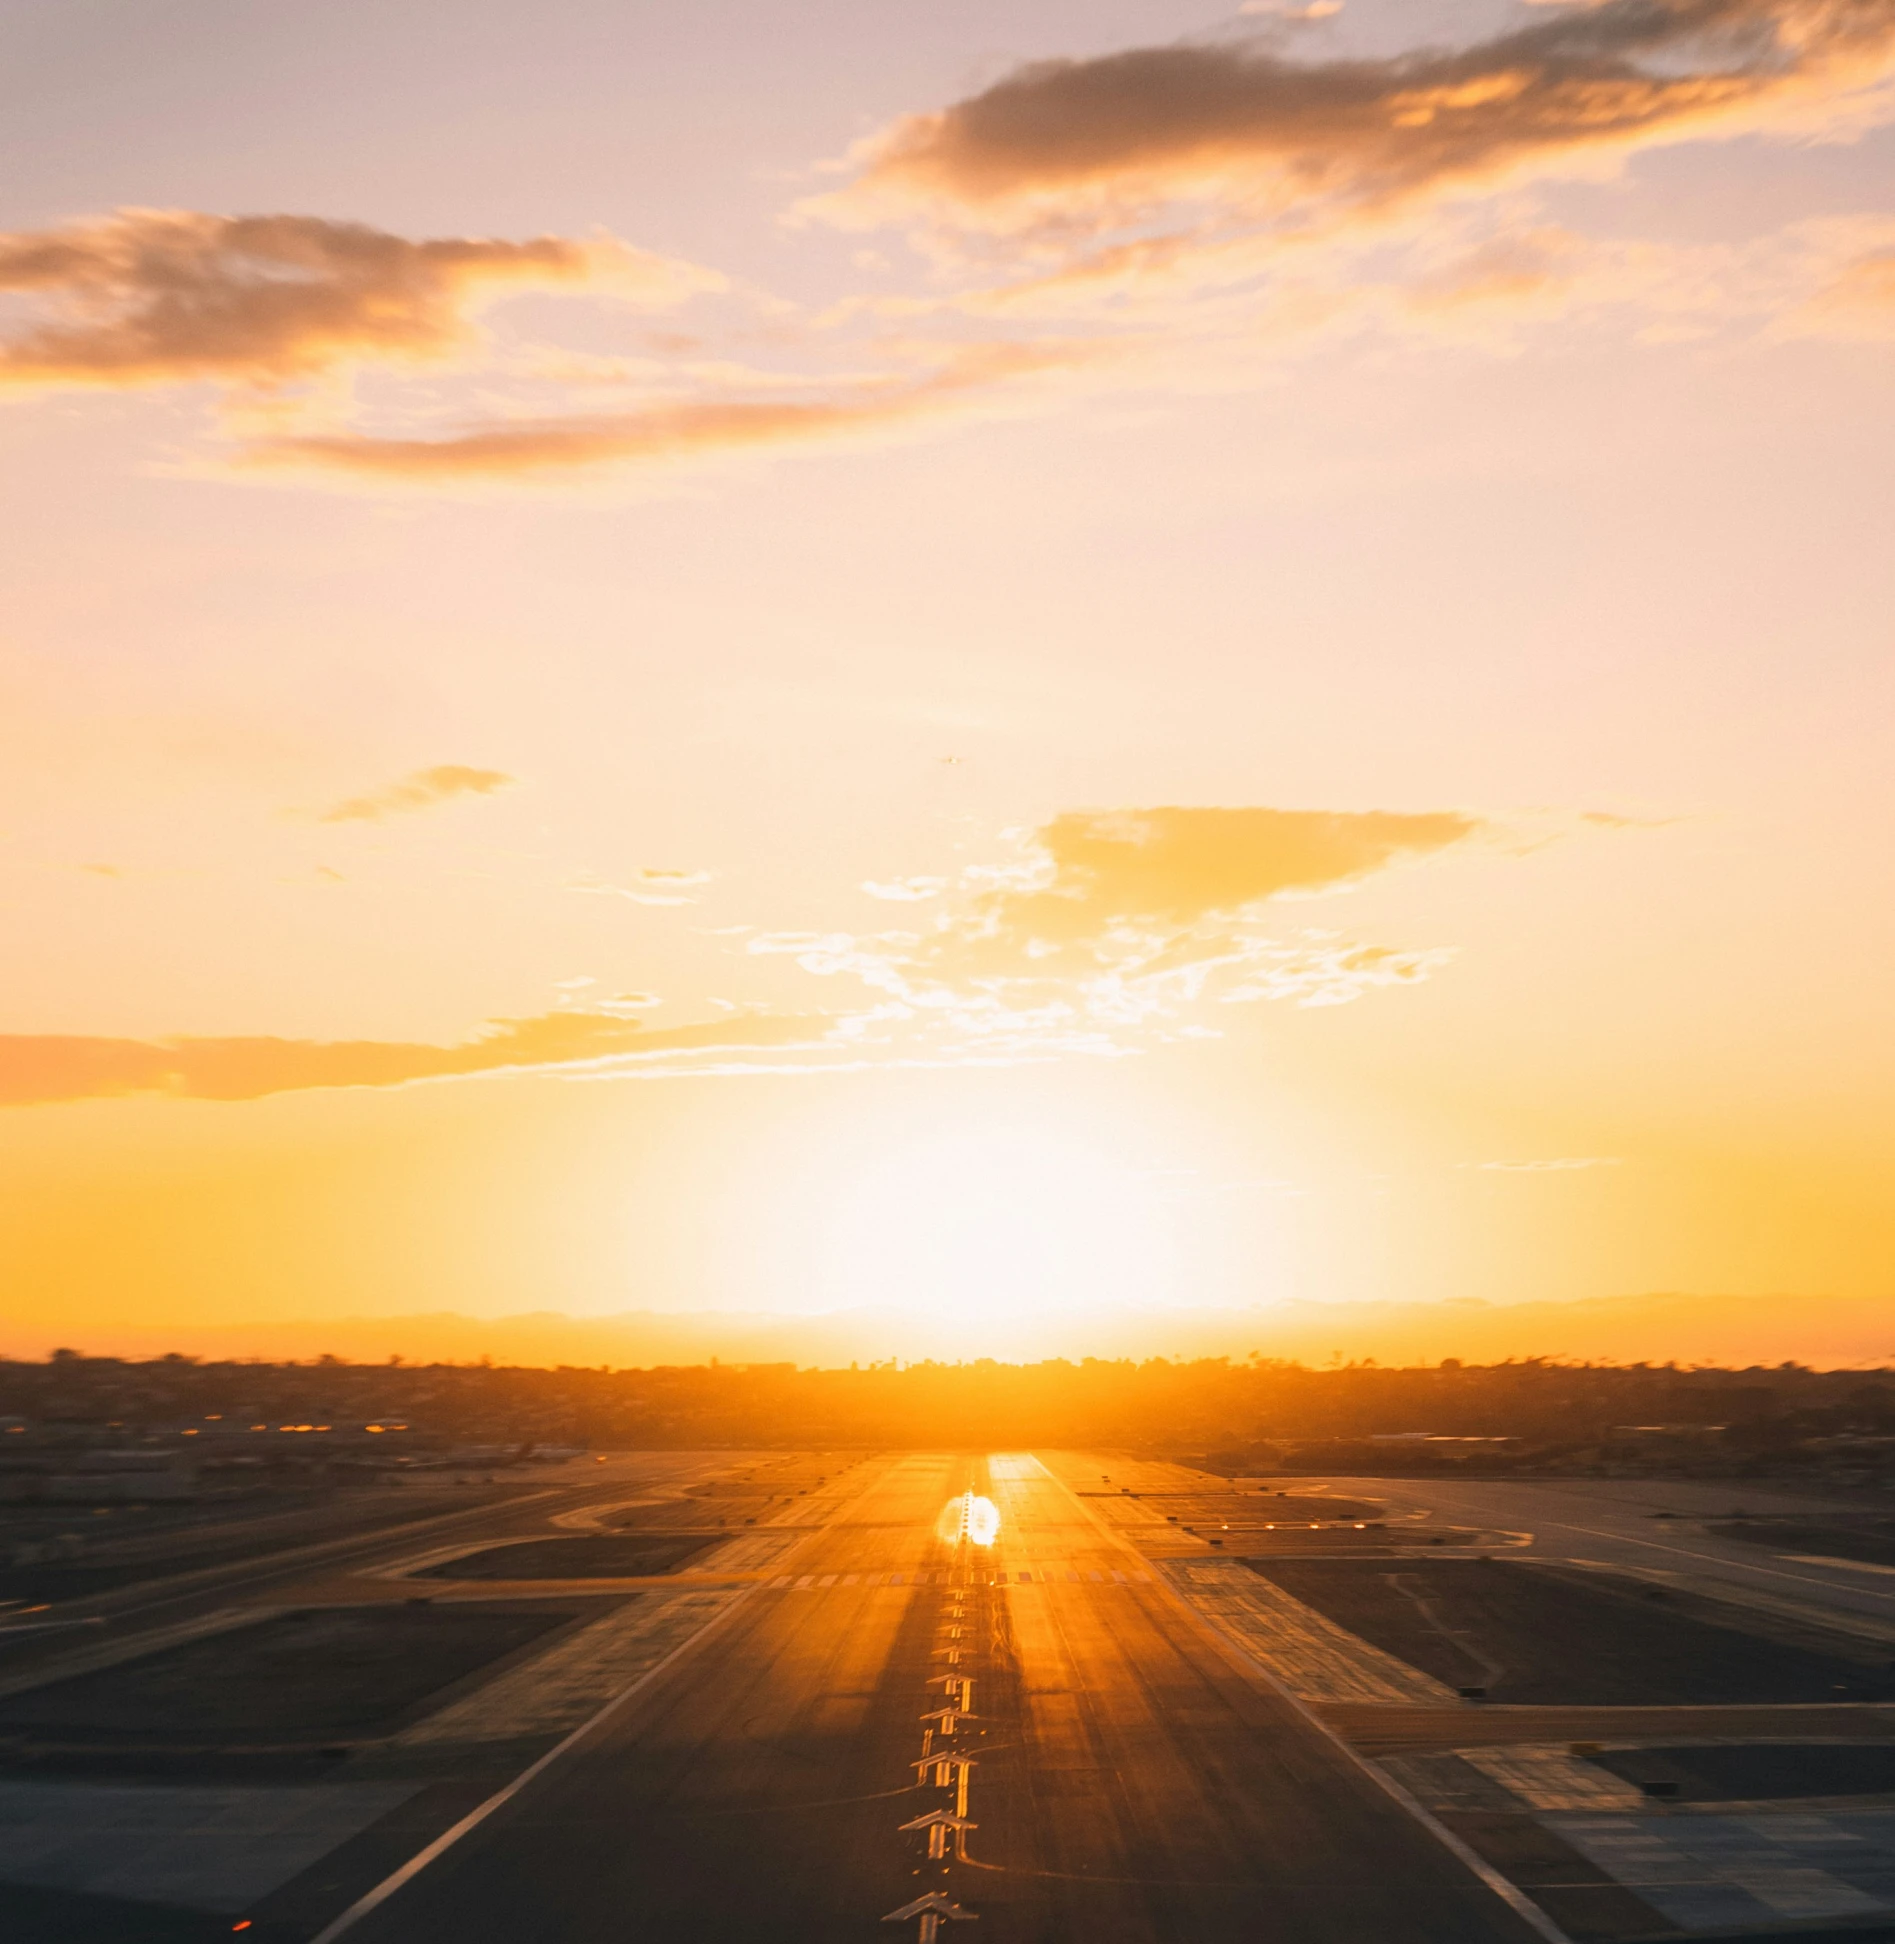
160 297
1134 128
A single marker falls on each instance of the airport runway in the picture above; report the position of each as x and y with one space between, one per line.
1618 1523
36 1642
1120 1780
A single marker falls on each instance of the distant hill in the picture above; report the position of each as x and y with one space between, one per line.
1734 1331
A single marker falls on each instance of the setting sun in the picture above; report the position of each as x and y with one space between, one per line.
1115 681
993 1228
969 1519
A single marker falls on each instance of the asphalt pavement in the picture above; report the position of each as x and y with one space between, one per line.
1653 1527
35 1644
1085 1761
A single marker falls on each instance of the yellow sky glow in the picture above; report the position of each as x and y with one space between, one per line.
1163 665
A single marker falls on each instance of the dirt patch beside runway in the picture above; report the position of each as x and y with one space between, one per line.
1531 1635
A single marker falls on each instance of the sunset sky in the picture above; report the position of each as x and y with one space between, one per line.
1002 663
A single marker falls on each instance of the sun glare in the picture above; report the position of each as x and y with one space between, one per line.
995 1229
968 1520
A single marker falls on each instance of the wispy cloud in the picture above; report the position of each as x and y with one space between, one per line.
648 887
159 297
1102 933
1858 302
421 791
1616 820
1109 928
39 1069
962 379
1287 10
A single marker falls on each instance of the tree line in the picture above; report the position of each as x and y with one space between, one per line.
1255 1413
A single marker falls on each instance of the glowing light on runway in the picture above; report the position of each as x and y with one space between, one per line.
969 1518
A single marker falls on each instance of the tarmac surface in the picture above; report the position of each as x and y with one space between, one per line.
366 1529
1660 1529
1539 1635
1112 1773
794 1694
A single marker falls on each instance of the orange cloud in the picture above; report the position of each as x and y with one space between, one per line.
418 792
1173 867
1111 925
1118 925
1089 143
1859 303
514 448
37 1069
161 297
